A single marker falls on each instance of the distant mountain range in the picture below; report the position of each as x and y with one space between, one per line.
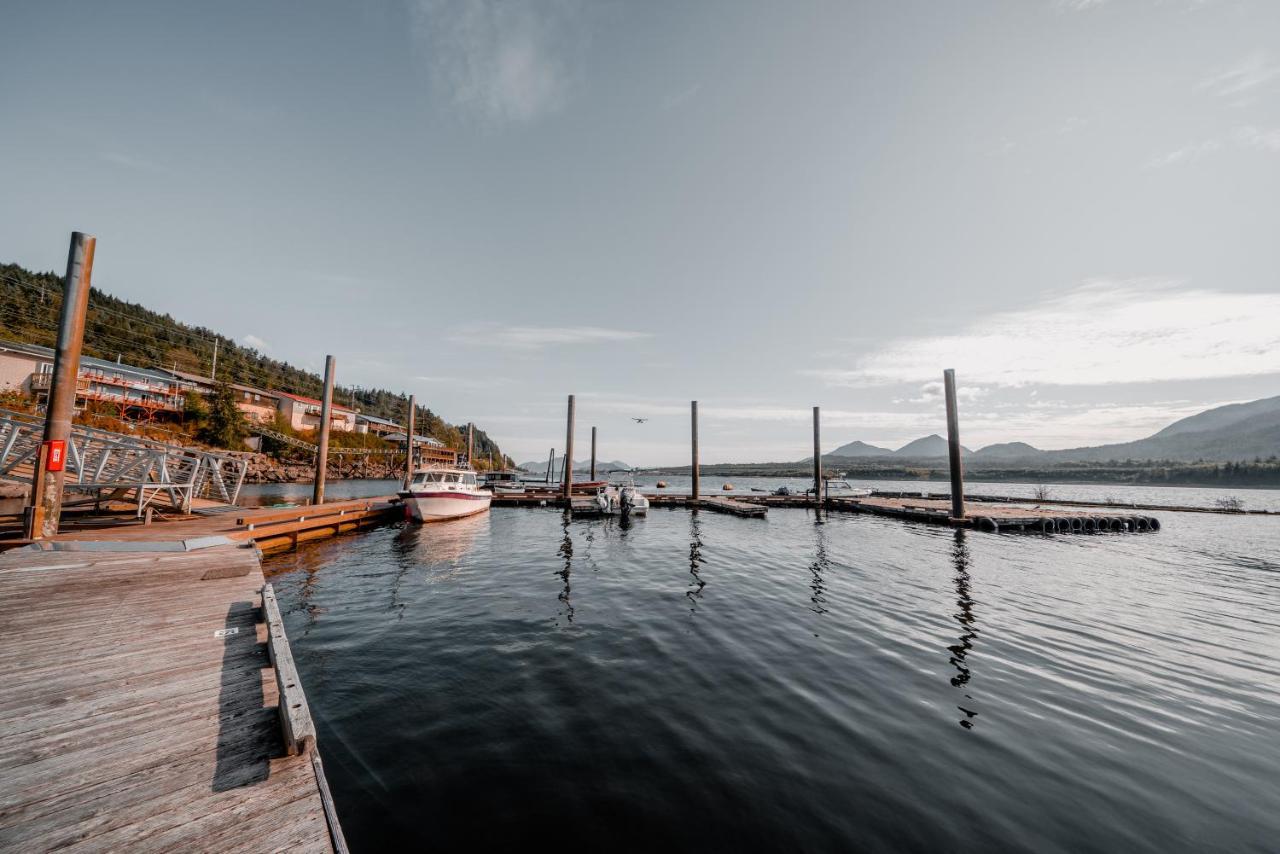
1238 432
578 466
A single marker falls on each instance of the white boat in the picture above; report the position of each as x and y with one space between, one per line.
503 481
436 494
622 499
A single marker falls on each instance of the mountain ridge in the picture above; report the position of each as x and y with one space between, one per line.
1233 432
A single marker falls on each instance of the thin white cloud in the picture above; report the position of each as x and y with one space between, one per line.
675 99
536 337
1243 138
465 382
1101 332
1078 5
255 342
138 164
501 60
1241 82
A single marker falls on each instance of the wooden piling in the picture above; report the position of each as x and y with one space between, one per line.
817 459
953 445
693 413
471 443
408 441
551 464
593 453
322 448
46 486
568 452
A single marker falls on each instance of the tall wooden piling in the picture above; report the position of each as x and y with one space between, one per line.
408 441
471 443
693 414
322 449
953 445
593 453
46 486
568 452
551 464
817 459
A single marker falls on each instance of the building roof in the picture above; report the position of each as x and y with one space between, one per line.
89 361
373 419
417 440
311 400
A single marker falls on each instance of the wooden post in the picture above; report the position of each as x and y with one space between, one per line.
551 464
408 440
817 459
46 486
953 445
322 450
471 443
568 453
593 453
693 411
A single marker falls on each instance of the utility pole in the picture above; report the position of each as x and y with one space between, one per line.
817 460
953 445
45 512
213 371
408 441
322 450
593 453
693 410
568 454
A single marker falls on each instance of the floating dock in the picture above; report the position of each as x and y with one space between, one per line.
991 516
148 702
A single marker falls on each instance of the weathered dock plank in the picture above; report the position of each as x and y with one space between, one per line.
139 709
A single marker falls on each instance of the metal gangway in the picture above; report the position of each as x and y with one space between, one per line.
294 442
113 466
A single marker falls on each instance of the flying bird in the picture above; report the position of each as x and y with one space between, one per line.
639 420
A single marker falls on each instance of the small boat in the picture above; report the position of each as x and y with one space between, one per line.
623 499
503 481
436 494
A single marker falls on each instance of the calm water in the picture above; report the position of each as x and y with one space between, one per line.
1250 499
697 682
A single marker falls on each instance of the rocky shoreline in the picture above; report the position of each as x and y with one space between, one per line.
265 469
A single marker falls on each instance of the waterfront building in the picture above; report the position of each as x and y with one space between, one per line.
303 413
138 394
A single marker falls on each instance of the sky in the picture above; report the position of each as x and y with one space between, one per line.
761 206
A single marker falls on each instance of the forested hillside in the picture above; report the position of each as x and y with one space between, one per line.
114 328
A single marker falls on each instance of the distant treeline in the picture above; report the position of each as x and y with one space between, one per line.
29 308
1256 473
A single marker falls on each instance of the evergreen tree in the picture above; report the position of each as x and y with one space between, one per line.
194 412
226 426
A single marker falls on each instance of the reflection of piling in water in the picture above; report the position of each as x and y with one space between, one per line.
821 563
967 621
566 551
695 562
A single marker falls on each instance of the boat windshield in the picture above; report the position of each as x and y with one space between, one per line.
438 477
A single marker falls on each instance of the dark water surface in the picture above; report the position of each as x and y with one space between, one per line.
697 682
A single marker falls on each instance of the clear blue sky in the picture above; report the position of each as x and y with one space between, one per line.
760 205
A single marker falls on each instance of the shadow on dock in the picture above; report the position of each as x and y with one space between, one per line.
240 704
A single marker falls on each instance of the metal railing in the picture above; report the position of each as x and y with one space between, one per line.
117 467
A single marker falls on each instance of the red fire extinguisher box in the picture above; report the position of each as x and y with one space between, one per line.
55 455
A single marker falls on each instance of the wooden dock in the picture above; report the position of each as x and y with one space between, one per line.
140 709
270 528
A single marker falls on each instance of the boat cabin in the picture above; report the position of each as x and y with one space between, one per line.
443 477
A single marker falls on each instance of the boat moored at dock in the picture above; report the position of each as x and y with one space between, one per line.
438 494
